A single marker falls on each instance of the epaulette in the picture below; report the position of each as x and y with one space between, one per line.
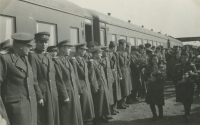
178 64
3 52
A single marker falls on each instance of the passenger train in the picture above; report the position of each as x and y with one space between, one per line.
66 20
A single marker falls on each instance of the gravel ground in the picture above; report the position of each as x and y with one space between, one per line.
139 113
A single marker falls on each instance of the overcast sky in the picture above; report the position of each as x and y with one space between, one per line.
177 18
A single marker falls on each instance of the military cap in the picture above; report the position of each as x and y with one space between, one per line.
158 47
122 41
64 43
141 46
24 38
81 46
42 36
134 48
147 45
96 49
105 48
92 44
112 44
128 44
52 49
5 44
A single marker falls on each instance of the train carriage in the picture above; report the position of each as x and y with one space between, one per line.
63 19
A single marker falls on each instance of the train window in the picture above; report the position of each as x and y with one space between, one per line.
74 35
139 42
114 37
103 37
7 27
154 43
132 41
122 37
151 42
51 28
145 41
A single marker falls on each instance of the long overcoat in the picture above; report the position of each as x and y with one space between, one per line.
44 72
109 77
129 72
184 92
125 86
70 113
81 67
114 62
18 89
100 93
135 73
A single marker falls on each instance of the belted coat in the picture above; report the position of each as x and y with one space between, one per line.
18 89
70 113
44 73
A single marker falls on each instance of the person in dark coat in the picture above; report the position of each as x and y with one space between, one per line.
100 89
19 92
136 70
155 76
168 57
184 88
44 73
125 87
114 65
81 66
70 110
174 61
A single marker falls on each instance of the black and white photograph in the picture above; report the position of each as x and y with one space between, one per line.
99 62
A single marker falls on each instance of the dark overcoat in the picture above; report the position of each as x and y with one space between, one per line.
135 73
184 92
109 77
114 62
18 89
70 113
155 90
129 72
85 97
44 72
125 86
101 96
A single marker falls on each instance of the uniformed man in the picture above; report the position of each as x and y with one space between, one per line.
44 72
90 45
52 50
20 93
80 64
98 78
105 62
123 59
70 110
4 46
114 62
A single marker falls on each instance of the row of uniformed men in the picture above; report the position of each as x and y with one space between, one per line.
39 89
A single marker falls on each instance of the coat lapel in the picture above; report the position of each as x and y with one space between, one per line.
18 62
43 59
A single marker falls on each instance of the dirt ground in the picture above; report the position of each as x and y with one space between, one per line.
139 113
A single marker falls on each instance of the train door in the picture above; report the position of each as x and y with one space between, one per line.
88 33
103 37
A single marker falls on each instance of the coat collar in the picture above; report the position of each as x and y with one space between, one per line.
19 63
65 61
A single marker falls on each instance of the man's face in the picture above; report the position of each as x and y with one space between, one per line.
122 46
82 51
98 55
41 45
66 50
25 49
54 53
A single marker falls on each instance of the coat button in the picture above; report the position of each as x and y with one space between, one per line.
50 80
30 97
28 86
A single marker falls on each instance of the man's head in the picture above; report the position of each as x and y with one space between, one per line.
41 40
64 47
96 52
122 45
81 49
53 50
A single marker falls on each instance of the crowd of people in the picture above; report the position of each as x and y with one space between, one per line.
53 85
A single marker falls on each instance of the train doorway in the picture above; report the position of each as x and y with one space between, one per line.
88 33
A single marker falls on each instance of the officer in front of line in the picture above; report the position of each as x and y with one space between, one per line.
20 93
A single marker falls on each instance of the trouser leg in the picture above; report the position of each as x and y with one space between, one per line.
160 108
153 110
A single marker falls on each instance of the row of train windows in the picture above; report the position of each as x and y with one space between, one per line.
139 41
7 28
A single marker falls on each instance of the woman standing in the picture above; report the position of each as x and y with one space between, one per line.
155 75
184 77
